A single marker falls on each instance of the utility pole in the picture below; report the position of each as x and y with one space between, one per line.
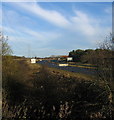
29 50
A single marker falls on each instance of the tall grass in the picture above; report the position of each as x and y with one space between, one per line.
13 79
58 97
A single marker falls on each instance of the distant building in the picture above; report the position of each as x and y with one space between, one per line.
69 58
40 59
64 56
63 64
33 60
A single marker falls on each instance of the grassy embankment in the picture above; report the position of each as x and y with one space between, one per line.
72 74
83 66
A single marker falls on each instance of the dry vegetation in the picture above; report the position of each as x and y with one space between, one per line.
31 91
38 92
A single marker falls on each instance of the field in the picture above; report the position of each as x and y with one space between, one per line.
52 94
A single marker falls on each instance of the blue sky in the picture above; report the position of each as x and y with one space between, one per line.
45 29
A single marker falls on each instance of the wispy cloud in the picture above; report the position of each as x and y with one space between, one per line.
83 23
41 36
31 36
77 30
51 16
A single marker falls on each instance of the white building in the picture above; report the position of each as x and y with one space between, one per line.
33 60
64 64
69 58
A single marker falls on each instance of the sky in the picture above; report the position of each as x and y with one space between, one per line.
43 29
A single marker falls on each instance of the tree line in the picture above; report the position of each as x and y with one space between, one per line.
90 55
103 59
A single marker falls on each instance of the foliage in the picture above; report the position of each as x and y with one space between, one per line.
76 55
89 55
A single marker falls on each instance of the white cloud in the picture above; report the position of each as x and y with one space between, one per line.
41 36
83 23
51 16
89 27
76 31
30 36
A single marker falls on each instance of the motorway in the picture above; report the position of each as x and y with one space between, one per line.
70 68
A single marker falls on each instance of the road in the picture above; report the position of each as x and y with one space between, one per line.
70 68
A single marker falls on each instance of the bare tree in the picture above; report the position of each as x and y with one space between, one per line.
105 65
4 47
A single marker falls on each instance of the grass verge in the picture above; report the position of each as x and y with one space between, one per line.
71 74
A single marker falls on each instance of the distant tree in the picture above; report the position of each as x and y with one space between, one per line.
76 54
88 56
